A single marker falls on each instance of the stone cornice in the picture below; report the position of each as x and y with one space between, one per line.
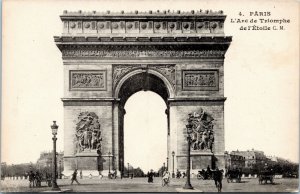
89 99
165 22
142 47
159 14
182 99
143 40
178 99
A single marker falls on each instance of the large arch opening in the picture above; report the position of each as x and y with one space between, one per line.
145 131
131 88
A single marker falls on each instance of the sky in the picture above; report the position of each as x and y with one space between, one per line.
261 79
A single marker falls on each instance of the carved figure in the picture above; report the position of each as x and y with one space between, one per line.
203 135
87 80
88 134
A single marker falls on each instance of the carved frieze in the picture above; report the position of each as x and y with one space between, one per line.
88 133
202 137
200 80
87 80
134 51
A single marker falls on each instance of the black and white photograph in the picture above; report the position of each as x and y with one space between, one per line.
150 96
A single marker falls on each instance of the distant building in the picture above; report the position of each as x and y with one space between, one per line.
251 157
272 158
45 160
234 161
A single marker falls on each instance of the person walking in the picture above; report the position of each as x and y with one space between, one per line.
74 177
166 178
31 179
150 176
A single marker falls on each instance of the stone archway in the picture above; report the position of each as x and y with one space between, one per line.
139 79
108 57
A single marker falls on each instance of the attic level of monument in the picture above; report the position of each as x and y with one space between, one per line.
165 22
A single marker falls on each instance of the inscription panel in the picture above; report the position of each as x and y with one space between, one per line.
200 80
87 80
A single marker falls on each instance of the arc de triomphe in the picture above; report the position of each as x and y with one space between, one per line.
107 57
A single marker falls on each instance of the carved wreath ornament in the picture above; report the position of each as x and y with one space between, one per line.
202 136
88 133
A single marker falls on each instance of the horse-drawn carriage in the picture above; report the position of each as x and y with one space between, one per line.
265 176
234 174
204 174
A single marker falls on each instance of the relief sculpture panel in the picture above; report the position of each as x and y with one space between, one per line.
201 80
88 80
203 134
88 133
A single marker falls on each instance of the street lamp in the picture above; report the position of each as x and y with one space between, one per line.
173 173
59 169
167 163
109 164
128 170
188 178
54 128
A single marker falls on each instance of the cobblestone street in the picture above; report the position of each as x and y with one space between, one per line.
141 185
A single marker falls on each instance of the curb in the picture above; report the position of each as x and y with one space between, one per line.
61 191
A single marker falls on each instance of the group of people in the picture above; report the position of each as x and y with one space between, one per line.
165 177
35 178
217 176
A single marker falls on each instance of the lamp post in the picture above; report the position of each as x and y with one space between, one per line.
109 164
188 178
59 169
54 128
128 170
167 163
173 173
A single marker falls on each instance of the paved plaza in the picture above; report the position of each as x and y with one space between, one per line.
141 185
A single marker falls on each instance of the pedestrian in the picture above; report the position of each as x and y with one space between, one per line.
80 174
218 176
38 179
100 175
31 179
178 174
166 178
150 176
74 177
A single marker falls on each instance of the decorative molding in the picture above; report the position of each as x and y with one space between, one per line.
154 22
167 70
120 70
139 52
87 80
166 38
200 80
